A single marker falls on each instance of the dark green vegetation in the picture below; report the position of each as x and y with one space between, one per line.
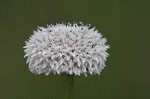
125 23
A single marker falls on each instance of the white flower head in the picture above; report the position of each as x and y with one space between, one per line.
66 48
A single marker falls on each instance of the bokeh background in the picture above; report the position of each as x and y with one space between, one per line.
125 23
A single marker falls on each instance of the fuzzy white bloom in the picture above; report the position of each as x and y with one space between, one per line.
66 48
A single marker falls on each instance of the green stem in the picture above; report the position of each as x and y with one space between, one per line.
68 85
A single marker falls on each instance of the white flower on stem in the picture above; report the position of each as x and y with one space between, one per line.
66 48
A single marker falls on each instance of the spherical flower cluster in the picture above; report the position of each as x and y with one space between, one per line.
66 48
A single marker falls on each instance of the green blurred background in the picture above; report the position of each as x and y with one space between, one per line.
125 23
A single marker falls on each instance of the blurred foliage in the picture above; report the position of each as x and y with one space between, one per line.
125 23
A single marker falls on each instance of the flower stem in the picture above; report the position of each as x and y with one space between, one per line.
68 85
